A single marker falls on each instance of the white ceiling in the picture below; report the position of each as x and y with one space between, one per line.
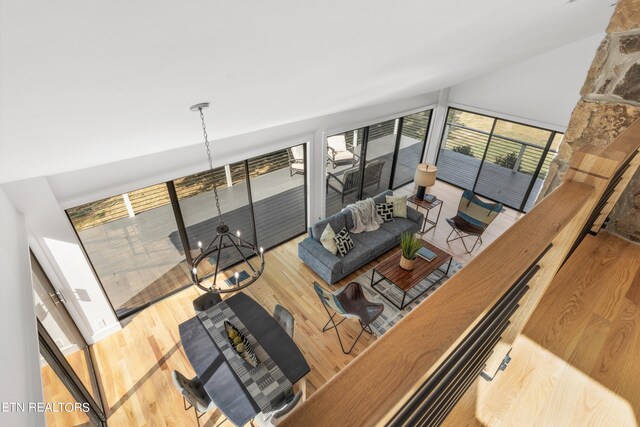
85 82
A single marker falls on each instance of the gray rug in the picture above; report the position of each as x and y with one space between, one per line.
391 314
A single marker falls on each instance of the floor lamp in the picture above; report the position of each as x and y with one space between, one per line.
425 177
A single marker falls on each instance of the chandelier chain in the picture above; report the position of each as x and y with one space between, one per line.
215 185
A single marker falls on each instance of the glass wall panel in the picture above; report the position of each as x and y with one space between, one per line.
414 133
544 171
381 145
496 158
343 171
464 142
198 206
514 152
134 246
278 195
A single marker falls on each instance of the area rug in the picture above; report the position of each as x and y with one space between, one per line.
391 314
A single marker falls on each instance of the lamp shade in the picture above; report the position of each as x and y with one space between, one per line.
425 175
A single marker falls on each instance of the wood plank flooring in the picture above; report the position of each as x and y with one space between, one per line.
577 362
134 365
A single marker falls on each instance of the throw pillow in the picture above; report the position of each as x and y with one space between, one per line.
327 239
385 210
399 205
343 242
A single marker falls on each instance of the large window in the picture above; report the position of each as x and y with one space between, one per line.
141 243
363 162
130 240
499 159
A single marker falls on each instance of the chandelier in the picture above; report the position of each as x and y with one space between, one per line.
224 241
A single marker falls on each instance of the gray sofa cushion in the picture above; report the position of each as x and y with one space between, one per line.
336 221
356 257
378 241
399 226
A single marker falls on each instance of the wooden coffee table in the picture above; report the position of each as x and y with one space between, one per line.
389 270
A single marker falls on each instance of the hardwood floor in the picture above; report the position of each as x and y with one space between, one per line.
134 365
577 362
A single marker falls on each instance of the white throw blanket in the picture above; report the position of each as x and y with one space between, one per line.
365 217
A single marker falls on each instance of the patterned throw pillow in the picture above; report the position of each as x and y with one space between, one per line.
399 205
343 242
327 239
385 210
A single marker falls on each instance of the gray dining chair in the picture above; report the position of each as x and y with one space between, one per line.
284 319
205 301
194 394
270 419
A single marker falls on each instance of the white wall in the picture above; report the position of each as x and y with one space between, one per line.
542 90
19 360
55 245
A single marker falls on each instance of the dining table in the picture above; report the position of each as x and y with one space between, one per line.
220 381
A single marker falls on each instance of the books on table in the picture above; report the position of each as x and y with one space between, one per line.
426 254
429 198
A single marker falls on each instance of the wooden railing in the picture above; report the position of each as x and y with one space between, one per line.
416 372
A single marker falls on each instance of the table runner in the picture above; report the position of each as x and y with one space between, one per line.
266 383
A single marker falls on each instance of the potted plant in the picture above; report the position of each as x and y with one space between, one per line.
410 244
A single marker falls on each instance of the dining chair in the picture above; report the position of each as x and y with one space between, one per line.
270 419
284 319
472 219
350 302
206 301
194 394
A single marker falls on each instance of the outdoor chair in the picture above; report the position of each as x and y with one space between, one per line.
472 219
350 182
349 303
193 392
296 160
337 152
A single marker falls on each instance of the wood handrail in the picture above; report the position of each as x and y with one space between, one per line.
374 387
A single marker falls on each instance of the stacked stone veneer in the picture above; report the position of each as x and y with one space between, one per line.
610 103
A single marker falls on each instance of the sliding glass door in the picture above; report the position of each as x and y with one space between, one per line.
142 243
413 137
278 195
68 375
378 157
498 159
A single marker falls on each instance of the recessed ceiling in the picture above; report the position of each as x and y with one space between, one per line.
84 83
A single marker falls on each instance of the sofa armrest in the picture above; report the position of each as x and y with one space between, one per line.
319 252
415 216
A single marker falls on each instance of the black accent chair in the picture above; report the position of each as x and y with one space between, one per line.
350 302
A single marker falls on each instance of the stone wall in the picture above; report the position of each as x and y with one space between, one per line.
610 103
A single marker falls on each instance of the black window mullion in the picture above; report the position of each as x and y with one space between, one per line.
484 155
444 129
545 151
363 160
250 199
396 152
182 230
